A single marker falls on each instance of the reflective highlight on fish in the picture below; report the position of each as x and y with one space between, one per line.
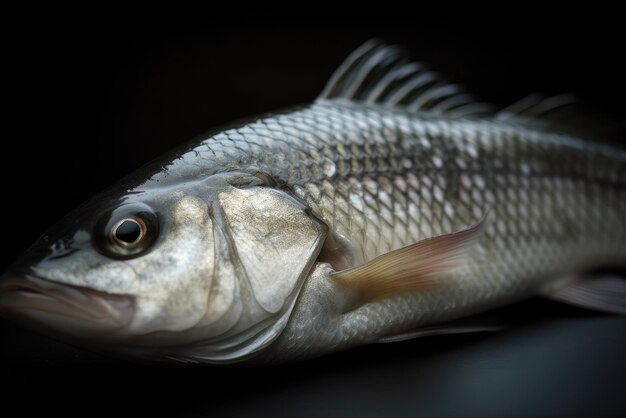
394 206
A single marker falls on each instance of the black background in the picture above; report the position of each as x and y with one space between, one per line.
89 99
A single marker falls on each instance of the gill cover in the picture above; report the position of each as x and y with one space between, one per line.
266 242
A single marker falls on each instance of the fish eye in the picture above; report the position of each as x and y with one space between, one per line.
126 231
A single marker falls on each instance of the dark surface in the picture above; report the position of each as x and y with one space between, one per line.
553 361
92 101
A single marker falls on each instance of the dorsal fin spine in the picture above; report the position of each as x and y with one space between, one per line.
380 74
385 84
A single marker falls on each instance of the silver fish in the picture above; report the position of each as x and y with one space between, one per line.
393 207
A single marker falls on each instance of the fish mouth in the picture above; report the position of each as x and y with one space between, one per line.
70 309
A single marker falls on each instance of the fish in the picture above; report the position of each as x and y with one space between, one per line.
395 206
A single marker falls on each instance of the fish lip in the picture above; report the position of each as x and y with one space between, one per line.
24 292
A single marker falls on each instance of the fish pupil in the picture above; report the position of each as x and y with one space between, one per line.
128 231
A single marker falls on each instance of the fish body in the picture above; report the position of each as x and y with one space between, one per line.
287 237
383 179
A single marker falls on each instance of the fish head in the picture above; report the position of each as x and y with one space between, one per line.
204 271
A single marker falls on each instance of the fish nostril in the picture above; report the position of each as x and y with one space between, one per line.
61 253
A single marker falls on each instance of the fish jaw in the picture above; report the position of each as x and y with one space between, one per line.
61 309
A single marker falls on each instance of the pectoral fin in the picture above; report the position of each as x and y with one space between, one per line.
413 268
605 294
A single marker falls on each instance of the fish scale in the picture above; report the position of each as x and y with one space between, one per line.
496 168
555 203
389 208
390 178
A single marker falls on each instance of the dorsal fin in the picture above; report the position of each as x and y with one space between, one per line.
564 113
380 74
537 106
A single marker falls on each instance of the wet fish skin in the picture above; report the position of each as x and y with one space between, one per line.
382 179
257 222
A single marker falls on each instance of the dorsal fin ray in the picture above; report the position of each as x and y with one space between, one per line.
383 75
380 74
391 80
564 113
537 106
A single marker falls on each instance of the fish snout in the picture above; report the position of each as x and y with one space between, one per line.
58 307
